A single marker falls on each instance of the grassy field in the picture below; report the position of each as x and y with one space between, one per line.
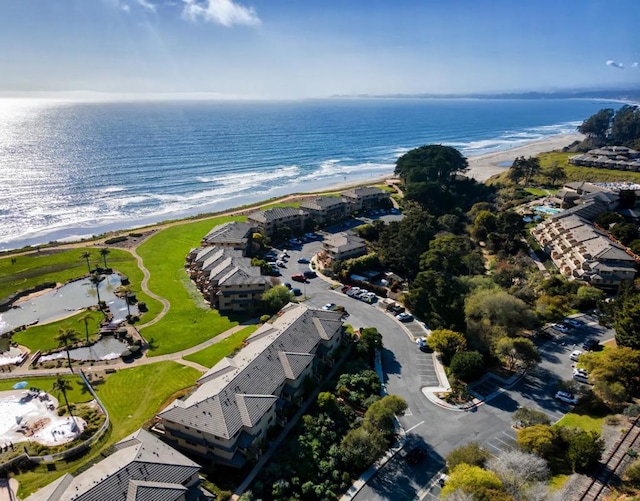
60 266
583 421
540 192
211 355
132 397
77 395
186 324
42 337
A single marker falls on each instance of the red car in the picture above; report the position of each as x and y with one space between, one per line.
299 278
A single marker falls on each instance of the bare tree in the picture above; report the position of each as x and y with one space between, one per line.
459 495
518 470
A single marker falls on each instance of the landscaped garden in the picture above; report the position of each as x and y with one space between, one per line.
211 355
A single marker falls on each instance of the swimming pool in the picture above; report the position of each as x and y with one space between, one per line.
547 210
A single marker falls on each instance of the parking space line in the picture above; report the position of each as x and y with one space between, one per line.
414 426
496 448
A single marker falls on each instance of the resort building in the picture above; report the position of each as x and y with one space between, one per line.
268 221
227 417
343 245
326 209
234 234
365 197
582 252
609 157
142 468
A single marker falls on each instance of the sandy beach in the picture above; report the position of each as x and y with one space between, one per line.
483 167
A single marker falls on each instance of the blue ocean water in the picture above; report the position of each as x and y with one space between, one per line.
75 169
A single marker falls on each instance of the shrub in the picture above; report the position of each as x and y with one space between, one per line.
264 318
467 365
115 240
135 235
471 454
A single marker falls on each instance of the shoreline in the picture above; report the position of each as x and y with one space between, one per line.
481 168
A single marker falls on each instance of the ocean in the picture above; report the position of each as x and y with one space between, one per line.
70 170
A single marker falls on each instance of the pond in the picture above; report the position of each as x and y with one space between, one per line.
107 348
64 301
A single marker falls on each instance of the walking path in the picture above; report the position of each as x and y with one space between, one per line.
144 285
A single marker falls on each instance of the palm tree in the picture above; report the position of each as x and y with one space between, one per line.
125 290
86 255
104 253
62 385
65 338
95 280
85 318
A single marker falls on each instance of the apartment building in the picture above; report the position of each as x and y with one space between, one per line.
365 197
326 209
343 245
267 221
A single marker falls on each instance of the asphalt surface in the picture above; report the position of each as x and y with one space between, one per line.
439 430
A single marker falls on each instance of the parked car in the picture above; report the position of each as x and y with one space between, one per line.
590 344
281 264
566 397
422 343
304 260
287 285
575 355
415 455
345 288
329 307
581 375
353 291
310 274
561 328
443 479
573 322
395 308
299 278
405 317
296 291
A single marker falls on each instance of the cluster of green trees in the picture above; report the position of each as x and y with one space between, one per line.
607 126
521 474
346 430
625 232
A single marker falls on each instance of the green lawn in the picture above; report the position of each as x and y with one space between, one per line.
132 397
63 265
42 337
539 192
211 355
186 323
588 423
77 395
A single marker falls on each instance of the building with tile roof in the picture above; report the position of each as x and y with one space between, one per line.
582 252
226 419
326 209
609 157
343 245
234 234
365 197
267 221
142 468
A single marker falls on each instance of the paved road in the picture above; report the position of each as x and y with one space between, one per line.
439 430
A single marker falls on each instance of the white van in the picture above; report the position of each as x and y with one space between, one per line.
581 375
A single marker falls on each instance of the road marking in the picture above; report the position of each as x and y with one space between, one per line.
408 412
496 448
414 427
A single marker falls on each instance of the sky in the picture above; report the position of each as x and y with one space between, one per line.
315 48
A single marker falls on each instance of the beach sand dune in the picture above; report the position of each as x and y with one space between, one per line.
483 167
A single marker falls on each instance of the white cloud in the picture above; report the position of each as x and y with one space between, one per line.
614 64
635 65
224 12
147 5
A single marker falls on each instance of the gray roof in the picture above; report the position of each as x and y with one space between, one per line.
221 255
590 209
237 391
141 458
586 187
322 202
344 241
275 214
363 191
232 232
243 275
154 491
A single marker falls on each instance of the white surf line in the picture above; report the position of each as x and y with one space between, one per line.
414 426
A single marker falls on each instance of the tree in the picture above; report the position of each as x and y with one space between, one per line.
472 480
381 413
625 233
517 470
85 318
437 299
555 173
518 350
360 447
584 448
626 318
597 125
447 342
625 126
65 338
450 254
524 168
606 219
471 454
614 371
525 417
95 279
104 252
538 439
370 341
86 256
483 225
62 385
275 298
434 163
467 365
